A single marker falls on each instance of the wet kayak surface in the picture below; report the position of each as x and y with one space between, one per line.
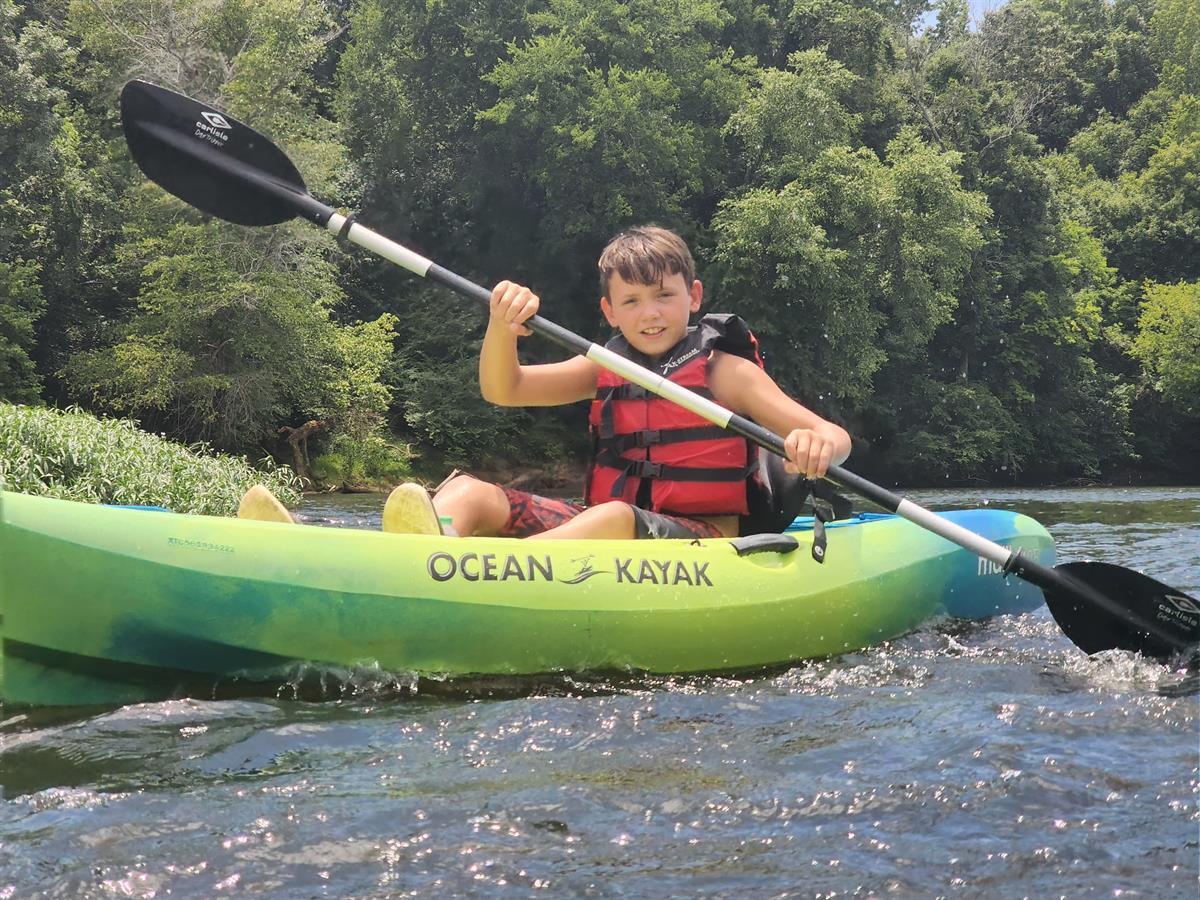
965 759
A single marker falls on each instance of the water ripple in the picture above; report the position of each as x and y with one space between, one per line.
969 759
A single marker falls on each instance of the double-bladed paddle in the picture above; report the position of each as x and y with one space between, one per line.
229 170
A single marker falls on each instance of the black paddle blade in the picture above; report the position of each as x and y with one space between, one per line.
212 161
1138 613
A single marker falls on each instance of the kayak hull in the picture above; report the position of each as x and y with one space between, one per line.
105 605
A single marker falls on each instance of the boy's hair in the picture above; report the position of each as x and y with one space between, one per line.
646 254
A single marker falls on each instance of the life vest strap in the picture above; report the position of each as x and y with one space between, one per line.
629 391
657 436
644 468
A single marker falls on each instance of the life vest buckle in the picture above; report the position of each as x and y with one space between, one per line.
647 438
647 469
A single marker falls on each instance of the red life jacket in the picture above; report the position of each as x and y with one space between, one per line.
694 468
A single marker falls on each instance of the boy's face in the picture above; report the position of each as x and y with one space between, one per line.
653 317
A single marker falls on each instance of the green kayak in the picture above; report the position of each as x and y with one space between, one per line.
111 605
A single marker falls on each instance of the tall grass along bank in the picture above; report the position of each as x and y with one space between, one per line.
76 456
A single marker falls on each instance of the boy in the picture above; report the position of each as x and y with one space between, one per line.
681 478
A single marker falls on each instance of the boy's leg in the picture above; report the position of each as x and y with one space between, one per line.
475 507
620 521
649 524
613 521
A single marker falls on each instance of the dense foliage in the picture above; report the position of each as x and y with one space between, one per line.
73 455
975 244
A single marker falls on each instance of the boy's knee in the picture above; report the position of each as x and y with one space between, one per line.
460 485
465 492
615 512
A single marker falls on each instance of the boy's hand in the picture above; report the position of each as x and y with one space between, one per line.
512 304
809 452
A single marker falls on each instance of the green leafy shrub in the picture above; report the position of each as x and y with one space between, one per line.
369 462
75 456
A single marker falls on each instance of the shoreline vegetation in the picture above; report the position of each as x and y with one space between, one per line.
974 244
74 455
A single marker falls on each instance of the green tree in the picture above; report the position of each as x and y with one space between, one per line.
513 147
942 235
409 89
1136 186
790 117
856 33
1028 335
1056 64
954 431
20 305
229 341
1168 343
854 264
611 113
1176 30
234 331
437 389
1154 218
31 172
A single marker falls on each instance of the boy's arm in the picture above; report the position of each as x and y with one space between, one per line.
502 378
813 443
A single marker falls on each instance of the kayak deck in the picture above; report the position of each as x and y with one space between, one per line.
111 605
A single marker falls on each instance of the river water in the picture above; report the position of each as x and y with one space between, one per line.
985 759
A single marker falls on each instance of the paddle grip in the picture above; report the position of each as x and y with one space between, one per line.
773 443
547 329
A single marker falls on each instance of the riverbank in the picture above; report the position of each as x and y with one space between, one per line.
74 455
